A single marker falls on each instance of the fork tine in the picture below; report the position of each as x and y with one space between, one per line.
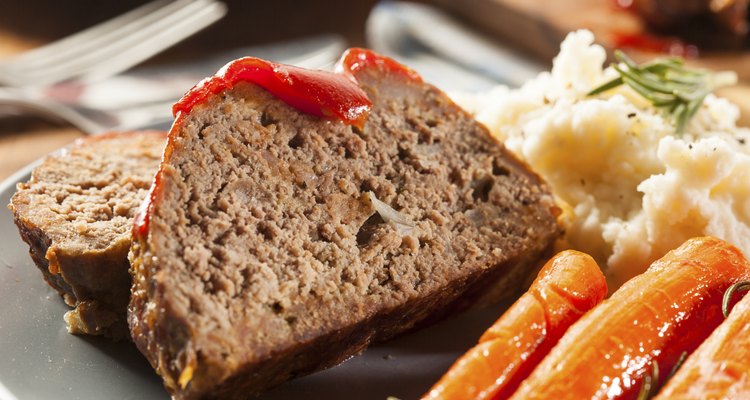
75 59
121 40
87 34
104 39
93 118
49 109
128 56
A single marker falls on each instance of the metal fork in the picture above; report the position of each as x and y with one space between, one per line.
112 46
323 53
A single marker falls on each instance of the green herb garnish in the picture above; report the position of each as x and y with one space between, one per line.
650 386
737 287
668 85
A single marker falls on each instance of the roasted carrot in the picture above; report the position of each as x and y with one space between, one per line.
720 367
669 309
567 286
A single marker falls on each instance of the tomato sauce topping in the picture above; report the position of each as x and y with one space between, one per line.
320 93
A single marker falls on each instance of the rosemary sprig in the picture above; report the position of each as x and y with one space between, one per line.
737 287
650 386
677 365
668 85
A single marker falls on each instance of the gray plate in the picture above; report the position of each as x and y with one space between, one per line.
40 360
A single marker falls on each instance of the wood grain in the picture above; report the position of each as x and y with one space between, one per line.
20 145
20 148
11 43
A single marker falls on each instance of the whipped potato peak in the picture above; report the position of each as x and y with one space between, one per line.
631 189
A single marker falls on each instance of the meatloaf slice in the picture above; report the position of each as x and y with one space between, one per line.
276 243
76 215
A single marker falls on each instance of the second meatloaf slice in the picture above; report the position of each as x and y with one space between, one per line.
277 242
76 214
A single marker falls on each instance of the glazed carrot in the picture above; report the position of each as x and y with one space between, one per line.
567 286
654 317
720 367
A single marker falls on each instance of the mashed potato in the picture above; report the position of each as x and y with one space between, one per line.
631 188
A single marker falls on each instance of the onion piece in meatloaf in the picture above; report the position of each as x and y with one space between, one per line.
276 243
76 215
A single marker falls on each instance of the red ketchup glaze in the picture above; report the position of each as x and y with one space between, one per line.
143 215
356 59
320 93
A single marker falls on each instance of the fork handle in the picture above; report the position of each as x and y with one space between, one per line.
14 100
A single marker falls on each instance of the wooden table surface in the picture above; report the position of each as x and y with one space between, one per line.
19 146
246 24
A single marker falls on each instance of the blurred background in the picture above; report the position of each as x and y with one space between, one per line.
246 23
458 45
468 45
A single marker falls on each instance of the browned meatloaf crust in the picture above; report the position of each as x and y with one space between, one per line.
76 215
264 257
